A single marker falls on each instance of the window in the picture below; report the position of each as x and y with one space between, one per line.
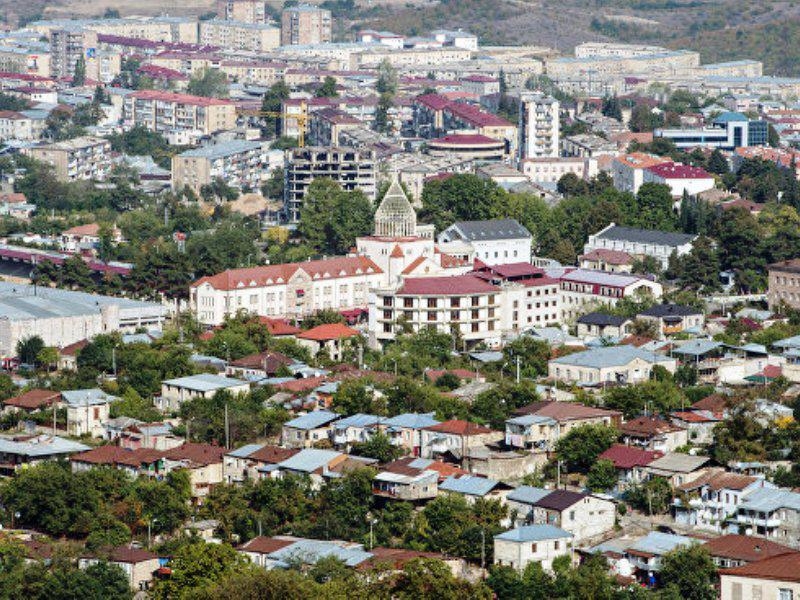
533 548
431 316
556 545
408 302
785 594
756 592
475 327
572 515
476 300
431 302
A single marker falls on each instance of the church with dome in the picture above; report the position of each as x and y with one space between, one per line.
400 246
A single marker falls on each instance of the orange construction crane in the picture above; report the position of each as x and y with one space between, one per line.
301 119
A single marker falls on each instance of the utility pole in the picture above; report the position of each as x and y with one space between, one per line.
227 429
483 549
518 368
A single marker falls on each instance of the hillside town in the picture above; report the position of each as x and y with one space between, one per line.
292 313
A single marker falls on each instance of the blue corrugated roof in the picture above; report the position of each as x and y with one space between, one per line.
526 494
533 533
608 356
245 450
310 551
84 397
412 420
531 420
697 347
357 420
659 543
205 382
312 420
469 485
309 460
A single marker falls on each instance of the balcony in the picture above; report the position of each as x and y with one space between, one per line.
757 521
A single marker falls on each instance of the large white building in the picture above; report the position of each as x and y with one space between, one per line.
493 242
286 290
62 317
640 242
583 290
538 126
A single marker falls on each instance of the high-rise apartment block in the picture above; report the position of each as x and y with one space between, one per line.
246 11
538 126
305 24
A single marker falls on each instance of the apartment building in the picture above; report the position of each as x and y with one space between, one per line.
290 290
583 290
23 125
353 169
246 11
783 285
67 46
538 126
551 169
33 59
75 159
156 29
238 35
168 112
640 242
305 24
464 305
493 241
241 164
679 178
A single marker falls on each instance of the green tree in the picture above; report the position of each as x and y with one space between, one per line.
612 108
332 218
691 572
199 565
717 163
28 349
602 476
79 73
572 185
654 496
327 89
378 446
272 101
210 83
581 446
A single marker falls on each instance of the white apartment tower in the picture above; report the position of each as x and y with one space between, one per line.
538 126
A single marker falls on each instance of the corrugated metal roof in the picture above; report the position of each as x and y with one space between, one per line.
412 420
533 533
205 382
312 420
469 485
659 543
310 551
87 397
44 445
245 450
309 460
526 494
357 420
608 356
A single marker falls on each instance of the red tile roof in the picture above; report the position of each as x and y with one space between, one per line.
124 554
202 454
648 426
446 286
33 399
627 457
476 116
328 331
678 171
433 101
612 257
114 455
160 96
434 374
92 229
269 361
273 454
784 567
720 480
278 327
460 427
693 417
348 266
745 548
715 403
74 348
300 385
265 545
566 411
465 139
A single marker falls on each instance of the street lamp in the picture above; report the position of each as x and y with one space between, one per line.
150 522
371 520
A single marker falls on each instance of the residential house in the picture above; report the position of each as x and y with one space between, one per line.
158 436
87 410
698 424
175 392
138 565
142 461
281 551
31 401
315 463
531 432
570 414
646 554
473 487
204 463
68 355
612 261
583 515
332 339
518 547
677 468
641 242
654 433
411 486
254 461
17 452
405 430
355 429
776 577
628 461
521 502
308 429
670 319
454 437
709 501
608 364
598 324
258 366
85 237
732 550
770 513
627 170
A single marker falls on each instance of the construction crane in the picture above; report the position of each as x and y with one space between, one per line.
301 119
